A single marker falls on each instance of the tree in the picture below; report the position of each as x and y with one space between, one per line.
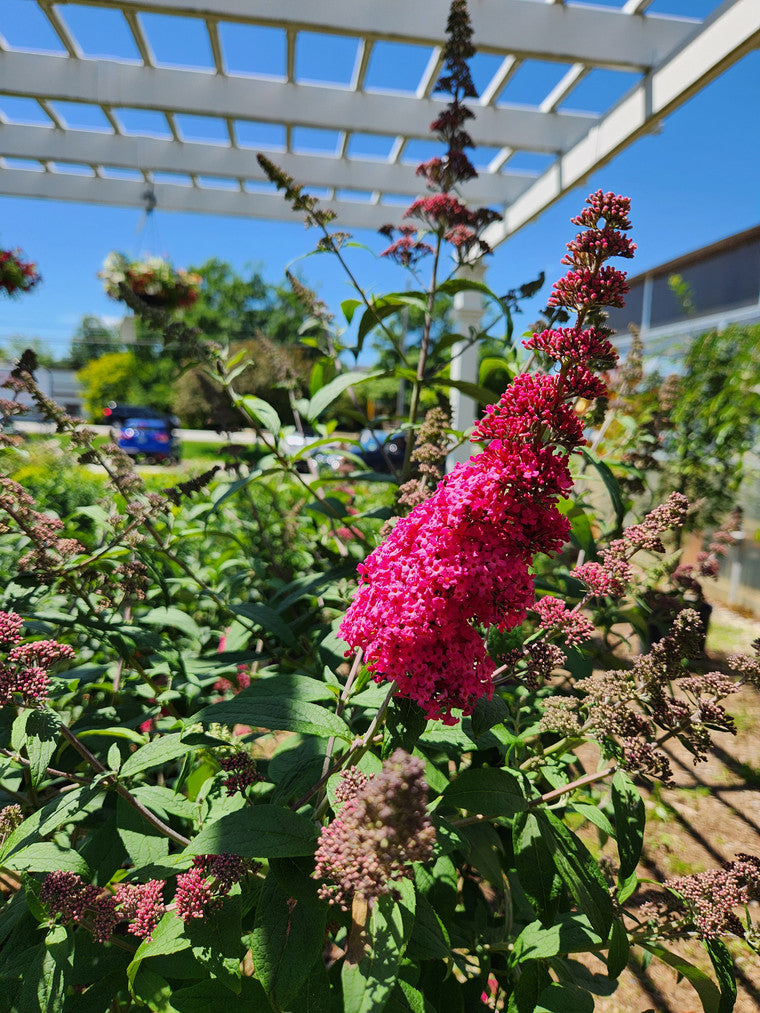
714 421
14 346
92 339
122 376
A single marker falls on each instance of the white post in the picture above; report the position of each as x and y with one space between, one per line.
468 313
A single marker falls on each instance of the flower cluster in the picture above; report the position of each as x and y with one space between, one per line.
442 213
624 709
154 280
16 275
69 898
462 559
711 898
202 888
141 905
240 772
382 827
24 672
10 818
556 617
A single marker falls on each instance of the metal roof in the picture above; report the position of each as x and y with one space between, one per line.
86 138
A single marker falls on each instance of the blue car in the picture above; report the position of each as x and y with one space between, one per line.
152 440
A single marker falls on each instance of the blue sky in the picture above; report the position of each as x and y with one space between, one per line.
694 182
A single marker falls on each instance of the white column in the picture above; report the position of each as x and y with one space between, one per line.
468 313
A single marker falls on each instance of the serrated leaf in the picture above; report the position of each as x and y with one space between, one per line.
725 970
572 933
619 950
595 815
580 871
42 729
486 791
610 483
480 394
261 710
630 821
167 937
155 754
430 938
560 997
261 831
267 619
142 842
287 940
45 856
534 863
368 982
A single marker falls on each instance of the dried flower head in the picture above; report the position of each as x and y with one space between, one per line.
382 827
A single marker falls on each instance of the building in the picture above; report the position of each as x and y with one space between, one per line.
721 282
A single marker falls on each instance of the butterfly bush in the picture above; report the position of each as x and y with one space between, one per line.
460 562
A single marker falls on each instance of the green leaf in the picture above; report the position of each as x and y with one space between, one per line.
534 863
620 948
430 938
261 831
260 709
486 792
453 285
271 622
286 942
725 970
610 482
45 856
579 870
42 729
348 307
173 618
404 723
331 391
143 843
595 815
480 394
261 411
564 998
153 991
369 980
572 933
630 820
155 754
205 996
167 937
703 985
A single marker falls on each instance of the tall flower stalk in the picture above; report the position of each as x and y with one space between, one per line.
461 561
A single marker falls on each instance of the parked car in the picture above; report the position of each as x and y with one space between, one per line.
149 439
382 450
116 413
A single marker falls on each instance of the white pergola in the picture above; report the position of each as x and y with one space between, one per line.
668 59
671 58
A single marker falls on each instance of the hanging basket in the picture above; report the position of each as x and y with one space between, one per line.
154 281
16 275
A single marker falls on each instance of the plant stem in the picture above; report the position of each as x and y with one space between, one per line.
128 797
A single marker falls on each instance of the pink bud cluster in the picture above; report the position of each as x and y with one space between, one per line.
711 897
555 617
201 889
69 898
461 560
382 827
24 673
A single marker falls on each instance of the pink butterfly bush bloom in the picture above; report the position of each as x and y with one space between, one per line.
461 561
